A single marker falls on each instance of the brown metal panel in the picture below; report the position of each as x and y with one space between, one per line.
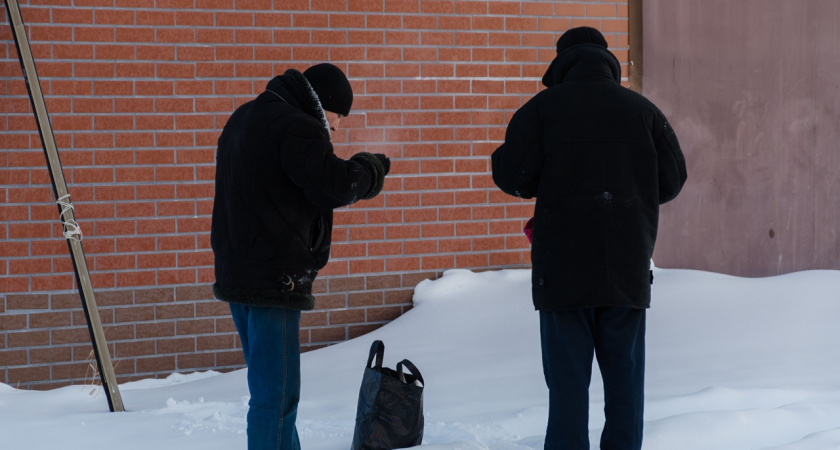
635 36
827 141
751 87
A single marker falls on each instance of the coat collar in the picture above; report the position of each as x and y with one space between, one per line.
293 88
583 61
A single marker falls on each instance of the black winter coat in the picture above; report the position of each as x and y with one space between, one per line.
277 182
600 159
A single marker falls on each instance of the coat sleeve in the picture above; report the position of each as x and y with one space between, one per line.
517 163
327 181
670 159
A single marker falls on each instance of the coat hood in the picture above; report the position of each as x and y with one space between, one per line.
584 61
293 88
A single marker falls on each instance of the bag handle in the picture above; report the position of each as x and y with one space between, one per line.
411 368
377 349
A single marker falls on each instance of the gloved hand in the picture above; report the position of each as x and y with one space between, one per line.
386 162
378 165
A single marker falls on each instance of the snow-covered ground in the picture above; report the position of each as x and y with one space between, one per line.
732 363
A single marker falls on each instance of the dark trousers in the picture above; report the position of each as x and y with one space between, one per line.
616 336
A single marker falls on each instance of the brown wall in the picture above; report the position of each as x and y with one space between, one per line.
752 88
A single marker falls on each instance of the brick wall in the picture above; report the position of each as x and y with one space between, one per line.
138 91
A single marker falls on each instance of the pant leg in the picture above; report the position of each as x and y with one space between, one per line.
271 345
240 319
567 351
620 349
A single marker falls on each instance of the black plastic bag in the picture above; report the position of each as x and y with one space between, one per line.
390 410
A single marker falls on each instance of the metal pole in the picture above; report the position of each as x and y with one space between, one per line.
65 207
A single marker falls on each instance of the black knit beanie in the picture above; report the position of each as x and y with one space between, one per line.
569 39
332 87
580 35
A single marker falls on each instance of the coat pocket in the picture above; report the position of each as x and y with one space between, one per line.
316 233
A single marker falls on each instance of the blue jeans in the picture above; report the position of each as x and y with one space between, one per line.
271 345
616 336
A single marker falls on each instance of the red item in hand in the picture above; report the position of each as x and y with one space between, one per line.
529 230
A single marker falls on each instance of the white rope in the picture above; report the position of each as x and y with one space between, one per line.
71 228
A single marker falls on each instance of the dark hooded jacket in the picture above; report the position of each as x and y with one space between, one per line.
277 183
600 159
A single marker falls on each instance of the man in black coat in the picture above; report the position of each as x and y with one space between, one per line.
600 159
277 183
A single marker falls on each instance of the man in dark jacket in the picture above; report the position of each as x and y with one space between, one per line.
599 159
277 183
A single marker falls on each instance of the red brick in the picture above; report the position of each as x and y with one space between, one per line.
196 360
209 343
384 248
230 358
13 322
159 364
156 260
152 226
366 298
384 216
135 348
346 316
367 233
506 258
355 331
520 23
13 357
367 266
138 278
332 334
471 260
383 314
135 314
420 247
384 54
177 345
205 274
49 320
176 242
155 330
438 262
365 5
601 10
193 224
39 248
402 296
31 373
156 52
164 191
406 264
197 326
29 266
212 308
346 284
52 282
135 244
177 276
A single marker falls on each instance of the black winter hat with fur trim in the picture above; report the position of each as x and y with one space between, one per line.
331 86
